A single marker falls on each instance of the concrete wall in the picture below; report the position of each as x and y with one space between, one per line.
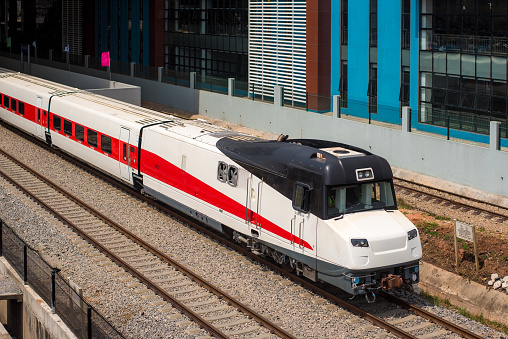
112 89
461 163
38 321
465 164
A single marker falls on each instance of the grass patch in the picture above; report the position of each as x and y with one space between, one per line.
478 318
439 217
430 228
401 203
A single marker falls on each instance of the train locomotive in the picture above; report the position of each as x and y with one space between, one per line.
323 209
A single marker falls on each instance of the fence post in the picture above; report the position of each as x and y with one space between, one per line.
87 60
278 95
89 322
231 87
53 291
159 74
495 136
192 79
406 119
447 125
50 55
133 64
1 238
336 106
25 265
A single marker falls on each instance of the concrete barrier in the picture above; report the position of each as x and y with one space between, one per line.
38 321
475 298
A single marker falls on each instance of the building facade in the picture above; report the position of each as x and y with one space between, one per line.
446 59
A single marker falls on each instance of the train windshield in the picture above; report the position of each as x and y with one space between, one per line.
360 197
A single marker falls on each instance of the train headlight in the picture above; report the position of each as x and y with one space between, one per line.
412 234
359 242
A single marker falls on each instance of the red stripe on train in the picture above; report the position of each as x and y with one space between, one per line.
164 171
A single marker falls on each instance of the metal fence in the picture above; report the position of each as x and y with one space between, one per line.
373 111
81 318
460 121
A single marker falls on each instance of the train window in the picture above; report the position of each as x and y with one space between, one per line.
21 108
79 132
91 137
301 197
13 104
106 144
57 123
6 101
360 197
232 175
68 127
222 171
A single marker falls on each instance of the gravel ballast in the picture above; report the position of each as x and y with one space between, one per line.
296 309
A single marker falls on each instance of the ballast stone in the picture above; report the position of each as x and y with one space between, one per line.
497 284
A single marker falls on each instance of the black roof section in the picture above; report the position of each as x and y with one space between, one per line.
306 154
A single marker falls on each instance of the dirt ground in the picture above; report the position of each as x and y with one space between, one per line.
437 238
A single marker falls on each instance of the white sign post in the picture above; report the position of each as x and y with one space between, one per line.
465 232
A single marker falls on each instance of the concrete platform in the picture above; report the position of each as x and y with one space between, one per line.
475 298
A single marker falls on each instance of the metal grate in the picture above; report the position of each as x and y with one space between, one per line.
277 47
72 26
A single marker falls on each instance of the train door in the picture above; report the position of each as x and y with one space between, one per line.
303 223
124 154
253 204
40 117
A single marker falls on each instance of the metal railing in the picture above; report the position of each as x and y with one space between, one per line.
81 318
373 112
469 44
461 121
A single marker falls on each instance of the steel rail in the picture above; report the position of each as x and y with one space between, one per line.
502 217
450 193
221 294
219 237
429 316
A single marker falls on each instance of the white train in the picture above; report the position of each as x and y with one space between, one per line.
324 209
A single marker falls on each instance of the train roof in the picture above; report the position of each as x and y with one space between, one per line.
335 162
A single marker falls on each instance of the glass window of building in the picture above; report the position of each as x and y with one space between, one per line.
207 37
463 63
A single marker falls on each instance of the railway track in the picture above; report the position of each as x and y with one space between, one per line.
451 200
150 273
402 319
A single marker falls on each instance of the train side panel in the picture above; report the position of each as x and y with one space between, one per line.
173 168
19 105
94 137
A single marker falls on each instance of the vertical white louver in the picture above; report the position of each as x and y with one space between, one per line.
277 47
72 26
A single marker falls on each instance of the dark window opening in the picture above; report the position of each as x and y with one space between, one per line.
68 127
222 171
21 108
79 132
91 137
57 123
13 104
124 152
232 175
106 144
6 101
301 198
